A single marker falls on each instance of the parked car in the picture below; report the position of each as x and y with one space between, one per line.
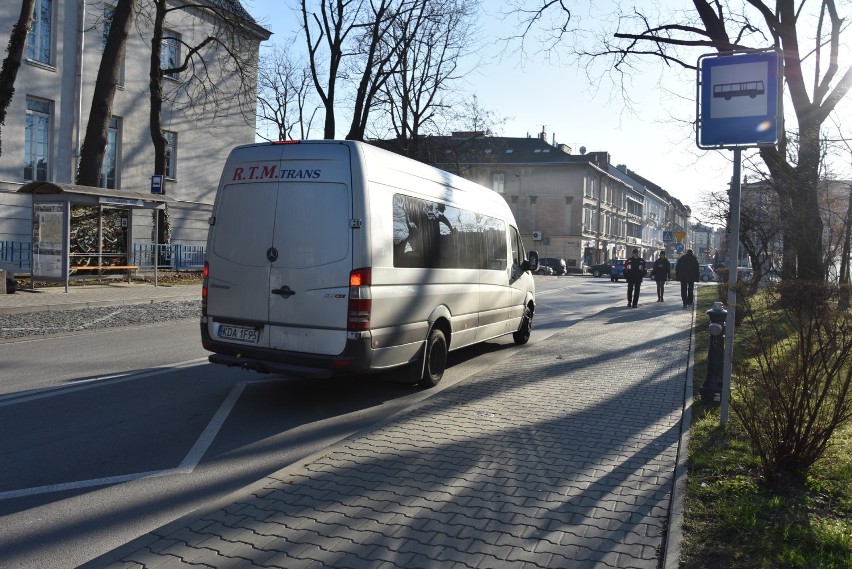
544 270
614 268
558 265
708 274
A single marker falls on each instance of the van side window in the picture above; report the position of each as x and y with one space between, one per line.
517 247
433 235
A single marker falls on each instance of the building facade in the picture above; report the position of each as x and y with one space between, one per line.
573 206
46 121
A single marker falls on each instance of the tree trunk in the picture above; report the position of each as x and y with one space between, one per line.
95 141
155 75
805 206
9 71
844 256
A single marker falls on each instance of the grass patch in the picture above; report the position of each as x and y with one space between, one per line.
732 519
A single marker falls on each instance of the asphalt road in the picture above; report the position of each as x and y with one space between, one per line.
110 434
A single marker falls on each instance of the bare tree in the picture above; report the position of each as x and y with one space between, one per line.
760 225
283 97
473 117
416 95
12 62
727 26
95 140
384 39
327 29
226 53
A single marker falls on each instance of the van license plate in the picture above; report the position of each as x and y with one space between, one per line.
239 333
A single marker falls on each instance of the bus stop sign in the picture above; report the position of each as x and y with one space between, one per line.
739 100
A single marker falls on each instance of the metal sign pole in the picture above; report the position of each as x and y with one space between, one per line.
156 242
733 265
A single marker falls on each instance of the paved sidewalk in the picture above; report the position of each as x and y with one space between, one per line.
566 455
54 298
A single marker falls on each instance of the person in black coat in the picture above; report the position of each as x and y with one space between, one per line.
688 273
661 272
634 272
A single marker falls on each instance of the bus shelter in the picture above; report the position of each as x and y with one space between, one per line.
85 232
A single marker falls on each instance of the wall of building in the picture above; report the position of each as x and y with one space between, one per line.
205 134
15 215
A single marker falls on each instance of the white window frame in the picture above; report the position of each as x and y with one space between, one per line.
170 53
37 134
111 157
171 154
498 182
40 38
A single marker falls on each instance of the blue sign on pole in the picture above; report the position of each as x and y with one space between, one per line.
668 236
157 184
679 247
739 100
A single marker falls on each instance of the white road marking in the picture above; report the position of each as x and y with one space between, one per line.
187 465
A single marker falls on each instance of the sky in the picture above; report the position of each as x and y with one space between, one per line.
653 136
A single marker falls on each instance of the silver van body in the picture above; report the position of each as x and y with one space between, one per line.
329 257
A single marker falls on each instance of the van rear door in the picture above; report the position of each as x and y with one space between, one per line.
287 239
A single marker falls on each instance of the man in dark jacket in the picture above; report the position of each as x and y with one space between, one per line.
688 273
661 272
634 272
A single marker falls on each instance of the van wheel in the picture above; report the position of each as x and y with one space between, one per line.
596 273
436 359
522 336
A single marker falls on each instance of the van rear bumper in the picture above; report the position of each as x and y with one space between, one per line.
356 357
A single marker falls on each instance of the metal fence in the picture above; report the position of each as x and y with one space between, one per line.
16 254
169 257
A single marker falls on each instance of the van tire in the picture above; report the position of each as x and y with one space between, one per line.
522 336
435 359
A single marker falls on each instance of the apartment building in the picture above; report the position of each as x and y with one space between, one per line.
46 121
575 206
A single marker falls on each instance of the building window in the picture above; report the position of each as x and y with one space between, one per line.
171 154
498 182
110 166
37 140
170 53
40 40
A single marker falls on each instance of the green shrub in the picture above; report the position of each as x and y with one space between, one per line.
793 388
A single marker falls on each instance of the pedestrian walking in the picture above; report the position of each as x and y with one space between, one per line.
634 272
688 273
661 272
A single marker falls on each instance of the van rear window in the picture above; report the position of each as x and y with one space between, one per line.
433 235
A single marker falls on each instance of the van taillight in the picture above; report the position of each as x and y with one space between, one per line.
360 301
286 141
205 275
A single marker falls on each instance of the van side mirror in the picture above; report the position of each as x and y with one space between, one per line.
531 264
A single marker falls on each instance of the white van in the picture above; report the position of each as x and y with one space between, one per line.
331 257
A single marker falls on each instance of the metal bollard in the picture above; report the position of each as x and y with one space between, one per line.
711 389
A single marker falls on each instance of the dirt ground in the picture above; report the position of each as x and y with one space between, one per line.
163 277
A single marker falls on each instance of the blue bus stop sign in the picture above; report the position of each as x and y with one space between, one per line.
739 100
157 184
